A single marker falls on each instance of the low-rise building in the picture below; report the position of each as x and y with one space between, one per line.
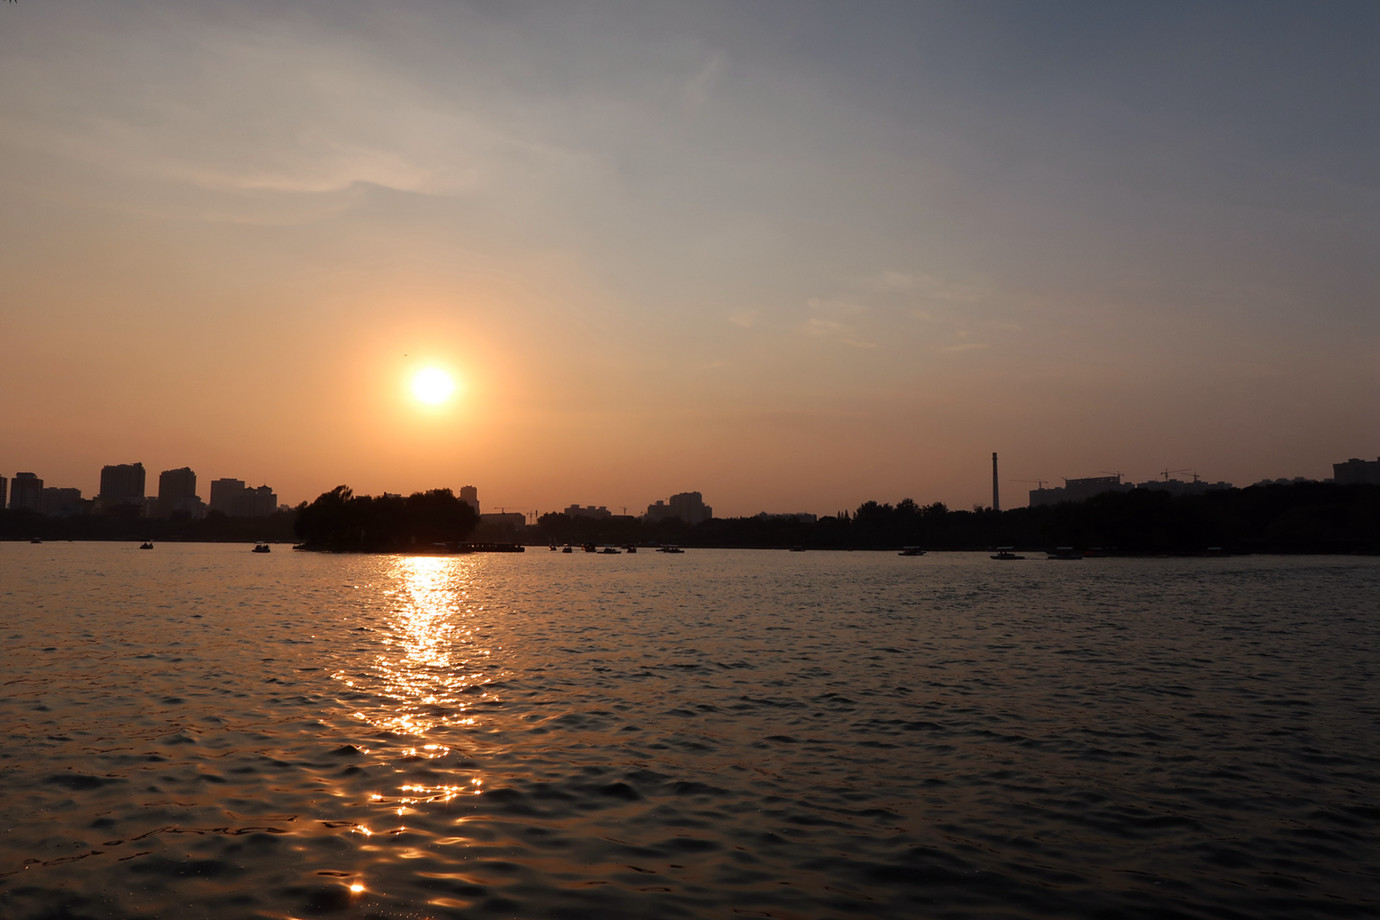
233 499
1357 471
1077 490
60 502
500 527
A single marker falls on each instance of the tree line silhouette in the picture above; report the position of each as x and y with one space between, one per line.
339 520
1298 517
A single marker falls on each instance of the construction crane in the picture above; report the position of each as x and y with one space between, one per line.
1040 483
1166 473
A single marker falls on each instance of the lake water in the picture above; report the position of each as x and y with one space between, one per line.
200 731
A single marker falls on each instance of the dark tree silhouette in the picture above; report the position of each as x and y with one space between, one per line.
342 521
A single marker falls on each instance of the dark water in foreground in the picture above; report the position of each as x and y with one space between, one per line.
199 731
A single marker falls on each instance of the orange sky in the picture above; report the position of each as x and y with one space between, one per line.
793 256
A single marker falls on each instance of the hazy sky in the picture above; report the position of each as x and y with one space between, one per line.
792 255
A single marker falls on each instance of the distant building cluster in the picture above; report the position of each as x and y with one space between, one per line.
123 487
601 513
1077 490
798 517
688 506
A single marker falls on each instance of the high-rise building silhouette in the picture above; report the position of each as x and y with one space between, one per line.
470 496
4 494
121 484
26 492
224 494
177 492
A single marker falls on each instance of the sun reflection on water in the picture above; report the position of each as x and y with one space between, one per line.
429 674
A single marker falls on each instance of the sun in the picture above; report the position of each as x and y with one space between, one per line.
432 386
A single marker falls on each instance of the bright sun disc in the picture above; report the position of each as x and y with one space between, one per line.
432 385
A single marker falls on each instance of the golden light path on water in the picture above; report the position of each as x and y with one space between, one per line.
430 675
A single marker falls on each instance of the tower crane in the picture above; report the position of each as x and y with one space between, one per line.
1166 473
1039 483
525 512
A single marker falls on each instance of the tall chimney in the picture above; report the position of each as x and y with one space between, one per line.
996 497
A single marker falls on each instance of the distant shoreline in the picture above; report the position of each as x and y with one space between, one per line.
1294 519
433 549
1036 553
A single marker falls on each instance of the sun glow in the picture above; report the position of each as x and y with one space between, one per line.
432 386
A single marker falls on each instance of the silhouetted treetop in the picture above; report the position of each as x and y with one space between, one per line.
341 520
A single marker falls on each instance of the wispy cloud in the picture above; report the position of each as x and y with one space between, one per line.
836 319
889 282
744 319
926 287
835 307
700 85
818 326
262 110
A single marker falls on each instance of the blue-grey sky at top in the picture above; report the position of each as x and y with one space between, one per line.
792 254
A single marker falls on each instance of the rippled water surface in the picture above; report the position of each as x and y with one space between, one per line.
199 731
